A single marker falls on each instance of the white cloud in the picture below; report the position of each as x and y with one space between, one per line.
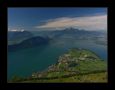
15 30
97 22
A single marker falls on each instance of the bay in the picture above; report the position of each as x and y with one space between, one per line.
24 62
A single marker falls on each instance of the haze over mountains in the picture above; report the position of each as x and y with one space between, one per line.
28 43
14 35
24 39
73 33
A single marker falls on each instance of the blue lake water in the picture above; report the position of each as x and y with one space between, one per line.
24 62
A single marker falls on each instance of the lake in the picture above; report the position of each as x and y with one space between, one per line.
24 62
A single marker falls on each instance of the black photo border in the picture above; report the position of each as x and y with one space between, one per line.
51 3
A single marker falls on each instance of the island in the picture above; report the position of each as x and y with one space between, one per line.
76 65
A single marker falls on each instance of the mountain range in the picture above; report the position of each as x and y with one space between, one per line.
19 39
65 33
72 33
19 35
29 43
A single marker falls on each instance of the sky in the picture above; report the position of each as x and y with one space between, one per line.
40 19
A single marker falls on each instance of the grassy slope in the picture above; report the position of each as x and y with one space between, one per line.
88 70
100 77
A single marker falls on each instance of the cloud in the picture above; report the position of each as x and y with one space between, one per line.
97 22
15 30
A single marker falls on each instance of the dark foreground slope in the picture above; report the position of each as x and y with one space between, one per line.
77 65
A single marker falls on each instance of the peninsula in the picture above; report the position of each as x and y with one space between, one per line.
77 65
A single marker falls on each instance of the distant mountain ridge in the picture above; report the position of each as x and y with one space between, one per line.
65 33
19 35
73 33
29 43
15 37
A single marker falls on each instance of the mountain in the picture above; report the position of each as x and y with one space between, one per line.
76 33
28 43
73 33
19 35
15 37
